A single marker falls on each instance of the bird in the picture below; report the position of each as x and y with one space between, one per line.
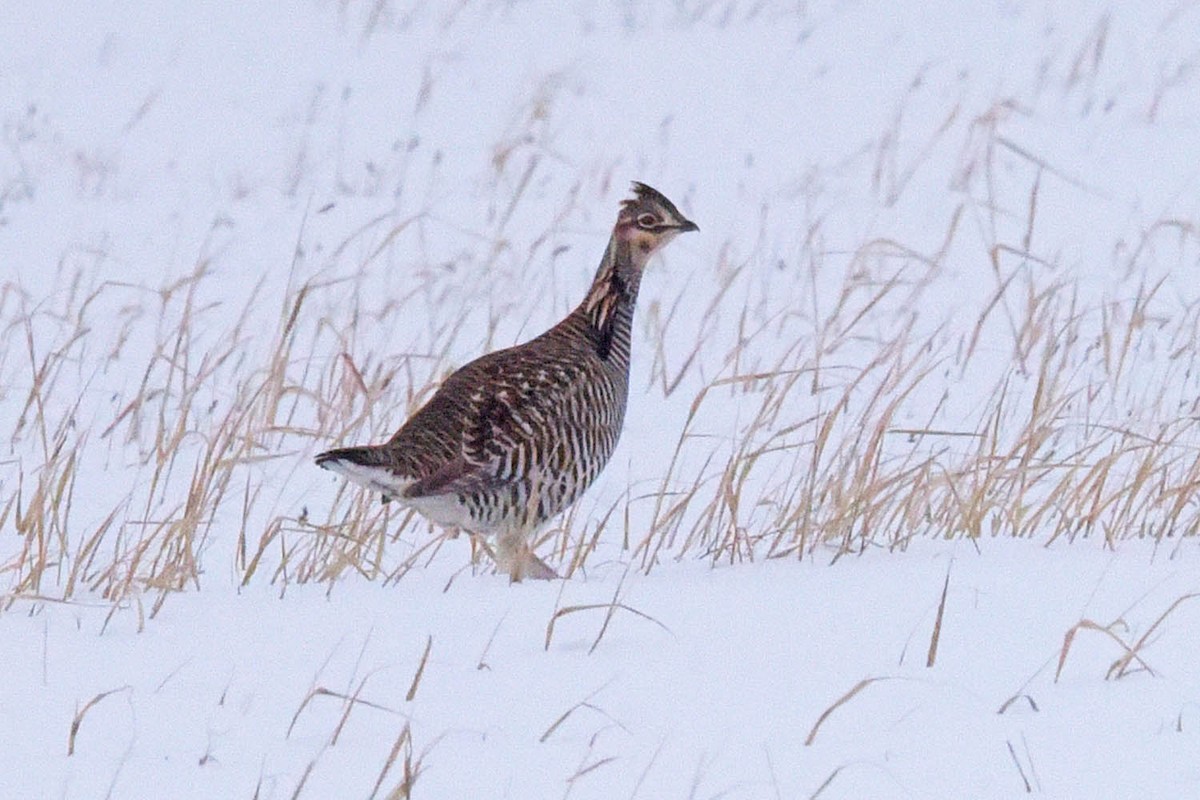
516 436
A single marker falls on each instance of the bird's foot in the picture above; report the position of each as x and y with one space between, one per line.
537 569
520 562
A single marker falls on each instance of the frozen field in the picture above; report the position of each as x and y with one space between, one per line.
908 499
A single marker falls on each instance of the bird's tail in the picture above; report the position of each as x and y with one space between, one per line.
366 466
358 456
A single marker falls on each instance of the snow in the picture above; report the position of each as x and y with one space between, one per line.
719 698
971 228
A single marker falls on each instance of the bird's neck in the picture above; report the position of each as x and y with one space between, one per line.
608 306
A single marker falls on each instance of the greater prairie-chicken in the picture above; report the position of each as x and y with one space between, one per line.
516 436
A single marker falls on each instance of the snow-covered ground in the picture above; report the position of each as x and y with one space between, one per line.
715 697
923 389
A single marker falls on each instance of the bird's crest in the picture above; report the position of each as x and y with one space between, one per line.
647 197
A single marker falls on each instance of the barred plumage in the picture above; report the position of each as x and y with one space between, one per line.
516 436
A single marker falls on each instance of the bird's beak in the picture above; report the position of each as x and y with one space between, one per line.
687 225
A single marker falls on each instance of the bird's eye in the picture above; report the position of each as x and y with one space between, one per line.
647 221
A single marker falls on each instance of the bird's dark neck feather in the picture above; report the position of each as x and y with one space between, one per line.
608 307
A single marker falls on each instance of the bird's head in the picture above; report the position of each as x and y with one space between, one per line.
647 221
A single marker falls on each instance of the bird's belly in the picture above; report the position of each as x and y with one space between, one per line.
447 510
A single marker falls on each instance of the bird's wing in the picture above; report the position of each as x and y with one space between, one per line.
455 477
508 413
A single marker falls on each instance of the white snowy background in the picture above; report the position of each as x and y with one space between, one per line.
908 498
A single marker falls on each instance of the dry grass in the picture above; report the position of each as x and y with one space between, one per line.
81 714
401 754
1131 658
836 404
841 701
610 609
1077 436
